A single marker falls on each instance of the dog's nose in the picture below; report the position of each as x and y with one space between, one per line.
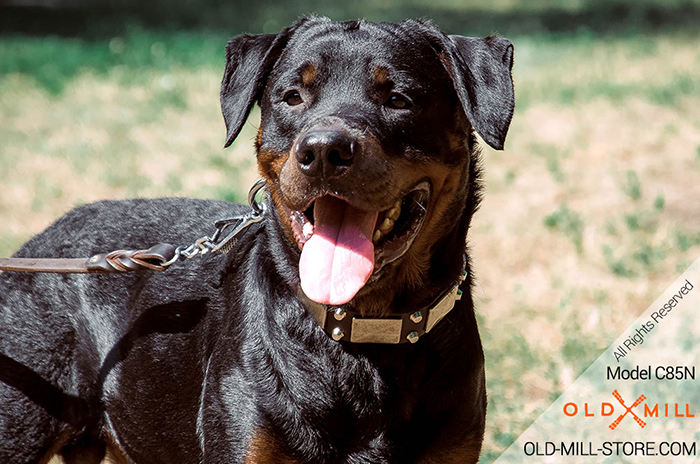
326 152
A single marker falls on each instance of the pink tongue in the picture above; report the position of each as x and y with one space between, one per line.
339 257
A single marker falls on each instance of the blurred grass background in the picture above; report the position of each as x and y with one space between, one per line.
590 212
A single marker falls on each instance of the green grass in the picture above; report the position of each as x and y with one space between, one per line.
53 61
632 186
638 245
568 222
580 68
552 156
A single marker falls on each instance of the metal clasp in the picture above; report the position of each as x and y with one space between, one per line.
214 242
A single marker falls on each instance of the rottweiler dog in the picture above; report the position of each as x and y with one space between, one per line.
333 330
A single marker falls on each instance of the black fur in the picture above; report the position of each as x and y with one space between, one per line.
215 360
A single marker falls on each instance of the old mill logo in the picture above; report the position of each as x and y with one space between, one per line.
639 401
607 409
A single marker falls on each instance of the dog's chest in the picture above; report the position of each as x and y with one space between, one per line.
330 405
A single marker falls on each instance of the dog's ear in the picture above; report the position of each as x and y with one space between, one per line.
249 60
481 71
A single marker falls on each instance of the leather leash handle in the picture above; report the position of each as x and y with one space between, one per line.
156 258
63 266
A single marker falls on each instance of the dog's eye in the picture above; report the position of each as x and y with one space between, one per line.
292 98
398 102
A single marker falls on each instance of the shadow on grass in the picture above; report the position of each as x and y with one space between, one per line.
598 16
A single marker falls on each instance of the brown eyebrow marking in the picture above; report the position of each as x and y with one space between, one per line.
381 74
308 73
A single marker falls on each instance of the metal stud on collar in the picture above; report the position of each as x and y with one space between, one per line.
337 334
416 317
339 314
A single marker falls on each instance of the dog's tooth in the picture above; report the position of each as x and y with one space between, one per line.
393 213
386 225
308 230
377 236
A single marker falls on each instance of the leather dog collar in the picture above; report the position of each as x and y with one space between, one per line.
346 325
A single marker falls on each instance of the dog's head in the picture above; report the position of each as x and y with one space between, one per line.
366 141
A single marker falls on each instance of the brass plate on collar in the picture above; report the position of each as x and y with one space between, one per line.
442 307
376 330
